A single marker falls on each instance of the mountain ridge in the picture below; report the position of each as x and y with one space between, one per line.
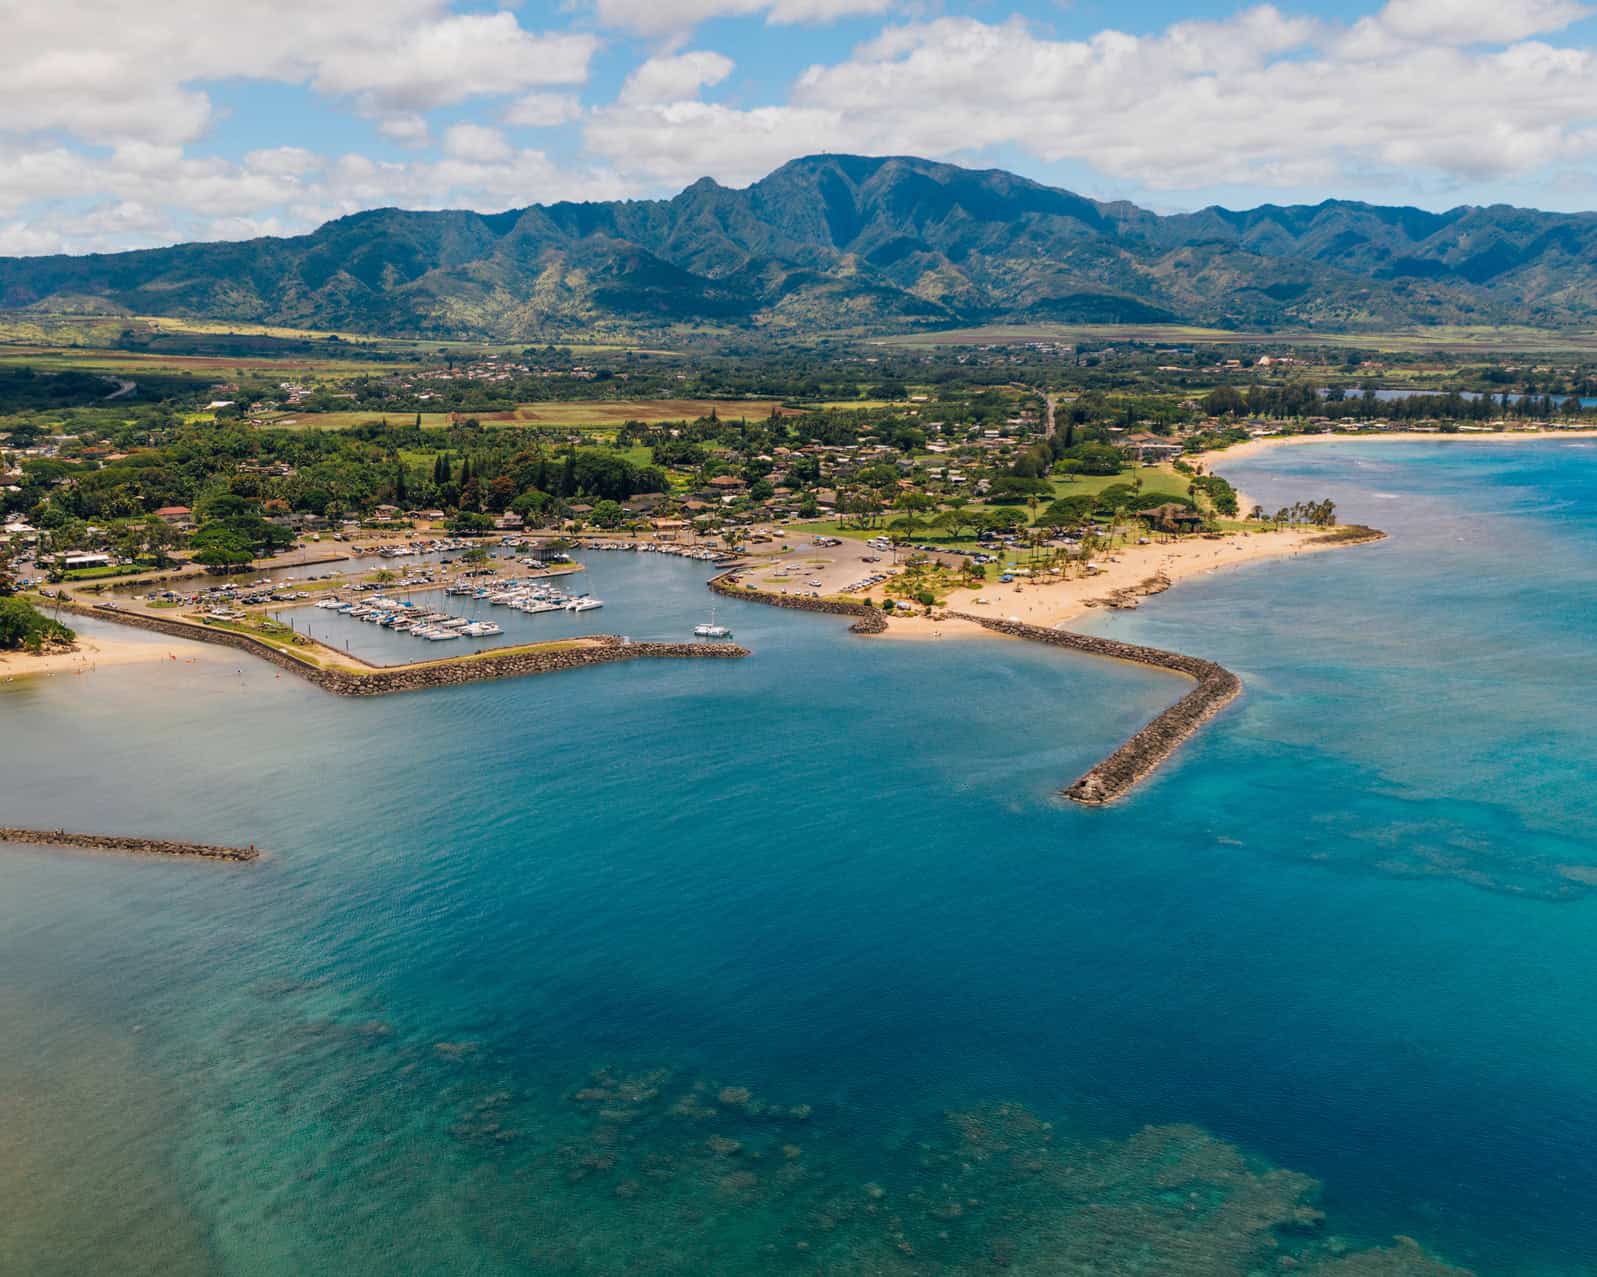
841 242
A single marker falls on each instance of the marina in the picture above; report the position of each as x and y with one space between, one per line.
486 612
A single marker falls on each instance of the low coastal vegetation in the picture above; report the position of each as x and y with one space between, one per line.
1000 442
24 628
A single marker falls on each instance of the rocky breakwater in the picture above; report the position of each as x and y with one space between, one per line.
1138 757
867 619
598 649
118 842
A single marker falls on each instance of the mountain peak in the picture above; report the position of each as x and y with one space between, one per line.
838 240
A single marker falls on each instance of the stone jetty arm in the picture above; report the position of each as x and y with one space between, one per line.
1120 773
597 649
868 620
118 842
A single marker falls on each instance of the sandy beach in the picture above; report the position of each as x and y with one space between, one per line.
1214 461
1052 602
97 653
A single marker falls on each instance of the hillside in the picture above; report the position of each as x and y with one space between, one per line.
846 242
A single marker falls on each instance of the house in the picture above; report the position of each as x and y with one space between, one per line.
509 521
1172 517
176 515
1149 449
75 559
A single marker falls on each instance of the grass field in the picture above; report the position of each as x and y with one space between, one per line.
130 363
582 414
613 412
1154 479
1444 337
849 405
347 420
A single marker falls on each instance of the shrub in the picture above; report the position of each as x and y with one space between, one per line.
24 626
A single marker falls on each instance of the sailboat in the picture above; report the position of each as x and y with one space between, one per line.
709 629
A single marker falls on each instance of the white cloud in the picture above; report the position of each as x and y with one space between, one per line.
404 127
671 79
283 161
543 110
80 66
98 150
1262 99
659 17
476 144
21 239
1478 21
448 61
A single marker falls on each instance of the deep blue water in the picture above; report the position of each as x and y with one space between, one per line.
1349 931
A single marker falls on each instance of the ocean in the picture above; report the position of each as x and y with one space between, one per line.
799 964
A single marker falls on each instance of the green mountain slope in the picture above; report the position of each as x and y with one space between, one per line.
836 241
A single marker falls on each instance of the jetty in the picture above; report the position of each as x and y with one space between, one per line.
867 619
127 843
340 674
1130 764
1141 755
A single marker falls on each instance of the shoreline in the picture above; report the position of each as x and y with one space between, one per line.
1134 759
1255 447
1129 574
87 655
342 680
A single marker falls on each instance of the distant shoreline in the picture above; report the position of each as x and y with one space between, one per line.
1254 447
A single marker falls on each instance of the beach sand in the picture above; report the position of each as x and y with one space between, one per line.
1053 602
97 653
1214 461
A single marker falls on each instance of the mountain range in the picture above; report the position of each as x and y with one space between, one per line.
850 243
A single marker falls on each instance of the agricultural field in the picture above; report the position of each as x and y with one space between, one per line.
130 363
1486 339
582 414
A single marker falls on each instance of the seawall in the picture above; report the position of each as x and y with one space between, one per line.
601 649
868 620
1142 754
1119 773
115 842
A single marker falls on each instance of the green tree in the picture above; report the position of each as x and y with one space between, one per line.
24 626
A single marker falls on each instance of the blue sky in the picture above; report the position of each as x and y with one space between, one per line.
223 121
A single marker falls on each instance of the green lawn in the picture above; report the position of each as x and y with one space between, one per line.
1154 479
111 569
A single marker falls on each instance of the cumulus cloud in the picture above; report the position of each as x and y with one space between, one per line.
543 110
81 67
1478 21
146 194
96 151
659 17
1262 98
445 62
477 144
671 79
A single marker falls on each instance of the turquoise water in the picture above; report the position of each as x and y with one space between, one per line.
724 967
